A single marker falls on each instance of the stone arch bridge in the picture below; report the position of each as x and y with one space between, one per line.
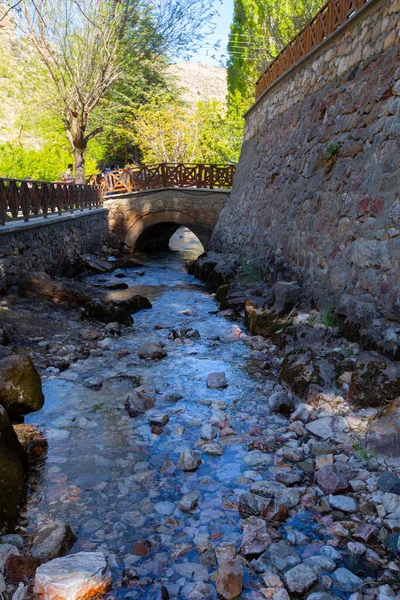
146 206
146 220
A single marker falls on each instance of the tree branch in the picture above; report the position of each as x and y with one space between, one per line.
93 133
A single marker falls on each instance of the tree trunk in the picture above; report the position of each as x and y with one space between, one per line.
79 165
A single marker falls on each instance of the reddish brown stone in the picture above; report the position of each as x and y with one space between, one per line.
364 532
156 429
141 548
378 206
253 431
363 205
331 481
19 568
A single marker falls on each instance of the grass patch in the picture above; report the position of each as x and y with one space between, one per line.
249 272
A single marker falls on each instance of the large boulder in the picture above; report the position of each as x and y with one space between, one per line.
127 301
107 312
260 320
141 400
75 577
287 295
383 434
96 264
13 466
215 268
298 371
42 286
20 385
375 380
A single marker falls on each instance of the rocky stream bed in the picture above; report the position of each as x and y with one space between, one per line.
182 457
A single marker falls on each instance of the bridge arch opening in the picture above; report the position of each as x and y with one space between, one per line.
154 230
168 236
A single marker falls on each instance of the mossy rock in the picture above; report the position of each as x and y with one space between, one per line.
298 371
13 466
263 321
20 385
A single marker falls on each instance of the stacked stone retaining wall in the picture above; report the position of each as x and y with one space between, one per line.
316 196
53 245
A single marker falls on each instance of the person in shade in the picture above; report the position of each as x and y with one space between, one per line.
67 176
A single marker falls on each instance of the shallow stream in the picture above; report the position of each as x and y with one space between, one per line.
113 480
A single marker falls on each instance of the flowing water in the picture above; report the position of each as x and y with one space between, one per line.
111 478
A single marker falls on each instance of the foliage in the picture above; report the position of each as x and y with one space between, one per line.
260 29
169 131
90 46
331 150
328 317
249 272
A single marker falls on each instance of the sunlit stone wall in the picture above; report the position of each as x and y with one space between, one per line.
316 196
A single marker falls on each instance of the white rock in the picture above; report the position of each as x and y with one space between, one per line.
326 427
346 580
207 432
80 575
20 592
344 503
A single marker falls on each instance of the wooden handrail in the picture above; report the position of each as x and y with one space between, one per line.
329 18
20 199
164 175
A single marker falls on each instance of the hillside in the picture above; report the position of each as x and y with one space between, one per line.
200 82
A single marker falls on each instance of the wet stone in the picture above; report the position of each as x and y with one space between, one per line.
216 381
189 501
81 575
255 538
256 458
252 505
213 449
158 419
207 432
141 548
152 350
19 568
139 401
190 460
52 540
230 578
280 556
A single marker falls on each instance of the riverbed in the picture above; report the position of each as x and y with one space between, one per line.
118 481
113 480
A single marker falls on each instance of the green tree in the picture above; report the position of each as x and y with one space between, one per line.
169 131
259 31
87 47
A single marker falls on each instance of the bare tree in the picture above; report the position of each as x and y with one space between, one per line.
88 45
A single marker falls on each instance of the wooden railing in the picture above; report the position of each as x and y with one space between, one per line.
331 16
22 199
165 175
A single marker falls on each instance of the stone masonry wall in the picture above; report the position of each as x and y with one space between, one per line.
333 225
53 245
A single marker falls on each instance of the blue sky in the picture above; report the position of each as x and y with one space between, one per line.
206 53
